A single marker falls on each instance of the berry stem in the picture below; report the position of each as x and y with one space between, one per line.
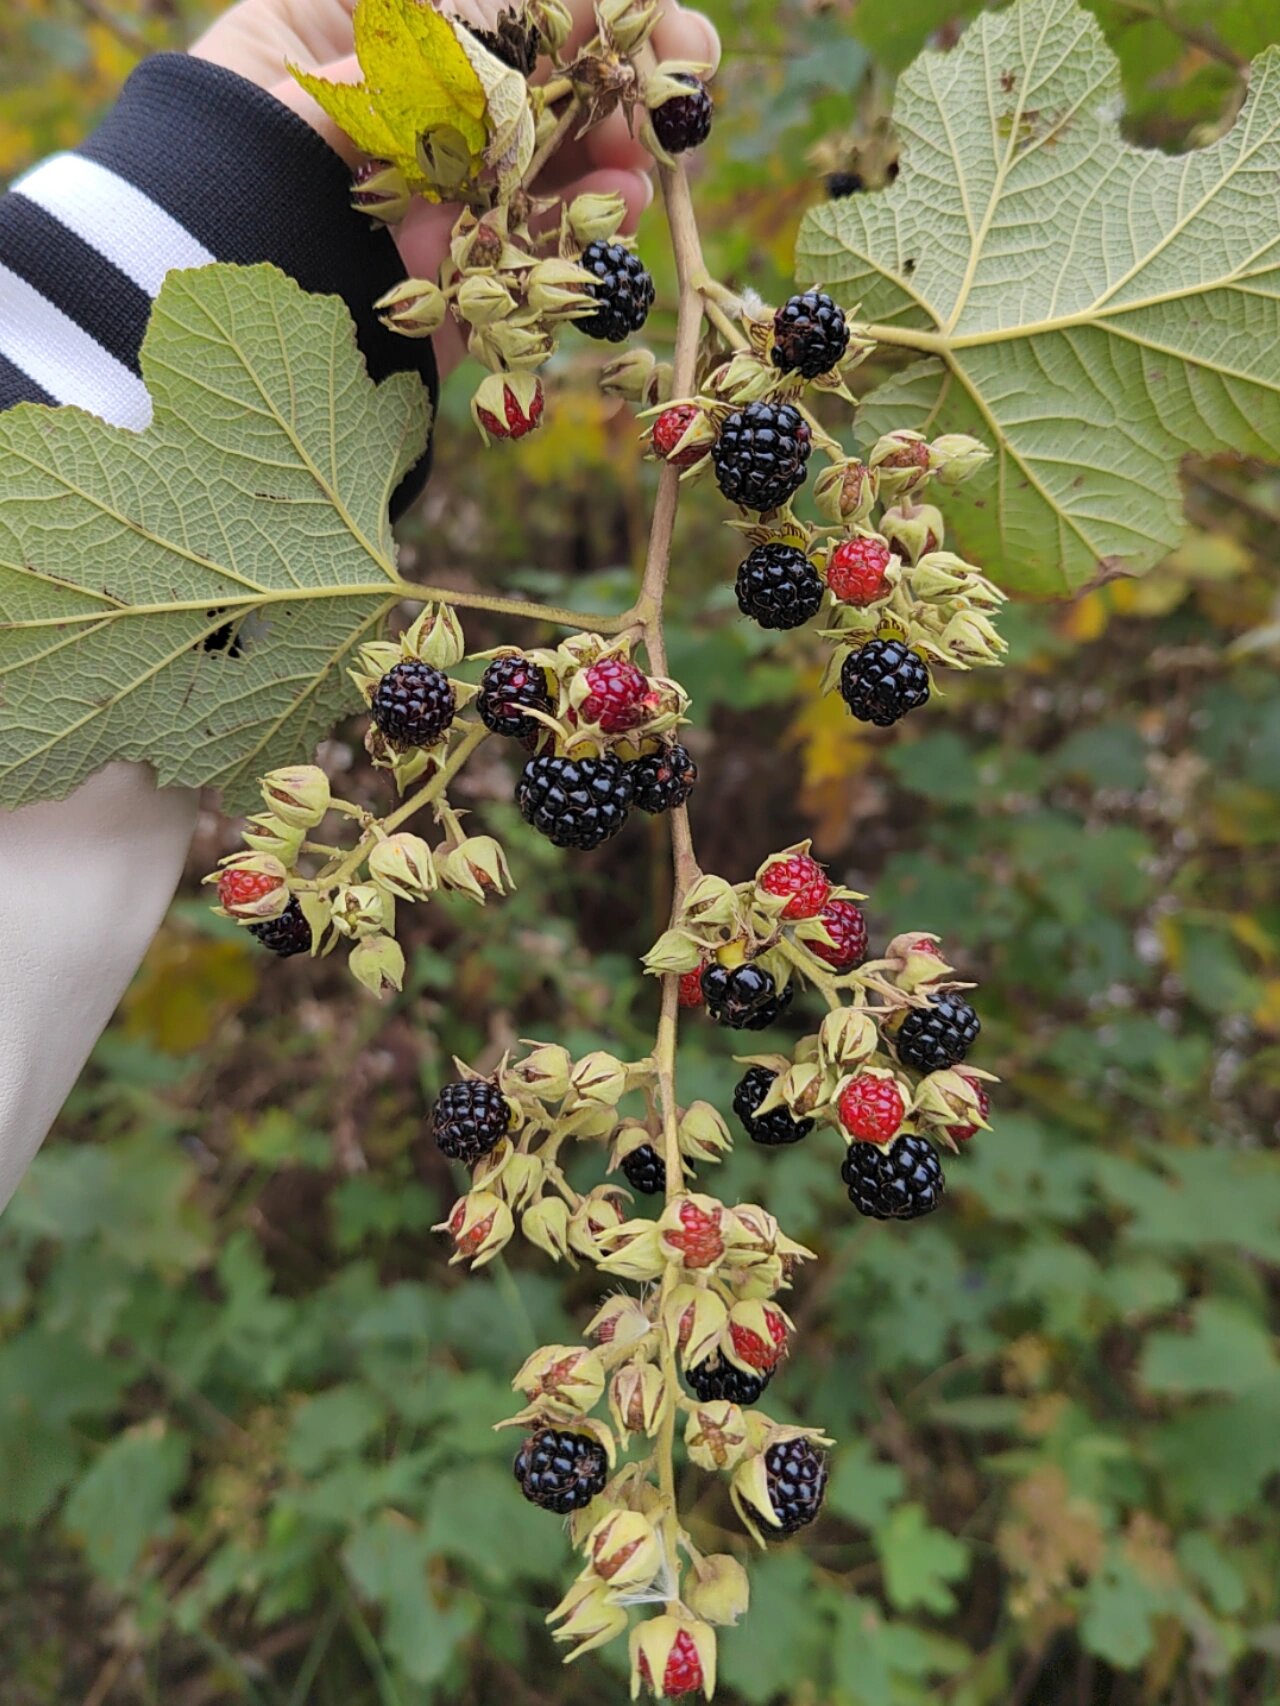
554 138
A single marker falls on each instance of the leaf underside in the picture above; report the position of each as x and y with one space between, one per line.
1103 310
257 498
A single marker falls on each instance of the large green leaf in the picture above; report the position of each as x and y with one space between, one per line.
1092 310
260 490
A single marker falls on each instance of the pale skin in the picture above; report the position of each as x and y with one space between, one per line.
260 38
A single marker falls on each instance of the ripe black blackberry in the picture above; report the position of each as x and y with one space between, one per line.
938 1036
810 335
470 1118
745 998
287 935
575 802
778 586
883 680
509 687
663 780
413 704
560 1470
645 1171
762 454
777 1126
623 289
717 1379
900 1183
684 122
796 1476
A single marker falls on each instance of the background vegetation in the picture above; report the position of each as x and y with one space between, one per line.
245 1405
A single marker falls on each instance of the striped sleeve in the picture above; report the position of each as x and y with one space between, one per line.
193 165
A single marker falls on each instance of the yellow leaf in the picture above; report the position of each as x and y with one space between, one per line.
422 104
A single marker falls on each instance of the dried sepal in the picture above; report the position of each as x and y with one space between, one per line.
660 1659
480 1225
624 1550
546 1225
717 1589
693 1319
638 1398
715 1435
567 1380
588 1618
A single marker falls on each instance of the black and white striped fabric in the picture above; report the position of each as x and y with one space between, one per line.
193 165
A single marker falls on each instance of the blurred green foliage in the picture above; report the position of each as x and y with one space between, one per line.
246 1407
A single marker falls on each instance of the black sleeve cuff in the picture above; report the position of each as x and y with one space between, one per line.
253 182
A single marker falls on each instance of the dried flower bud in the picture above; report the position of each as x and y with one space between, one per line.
625 1550
544 1073
915 959
299 795
913 530
403 864
516 1178
672 1656
557 290
704 1135
955 457
633 1251
597 1078
360 909
415 308
480 1225
715 1435
638 1398
477 867
950 1098
629 374
970 639
482 299
596 218
546 1224
266 833
847 492
514 344
377 962
717 1589
379 190
902 461
553 21
627 23
674 951
588 1617
711 901
847 1037
597 1213
563 1378
508 405
619 1321
694 1319
435 636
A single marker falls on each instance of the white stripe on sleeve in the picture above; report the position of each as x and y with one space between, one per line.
64 360
114 218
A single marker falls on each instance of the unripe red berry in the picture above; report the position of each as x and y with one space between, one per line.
800 877
871 1109
856 570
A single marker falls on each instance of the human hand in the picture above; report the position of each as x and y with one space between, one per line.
258 38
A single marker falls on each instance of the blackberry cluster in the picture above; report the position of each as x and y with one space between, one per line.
684 122
510 687
287 935
715 1379
560 1470
745 998
938 1036
762 455
575 802
882 681
470 1118
810 335
778 586
413 704
777 1126
796 1477
900 1183
623 289
645 1171
663 780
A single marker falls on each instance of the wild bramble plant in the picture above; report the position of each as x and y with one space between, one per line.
751 399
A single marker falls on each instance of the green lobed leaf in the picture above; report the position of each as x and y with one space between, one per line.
1092 310
259 491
